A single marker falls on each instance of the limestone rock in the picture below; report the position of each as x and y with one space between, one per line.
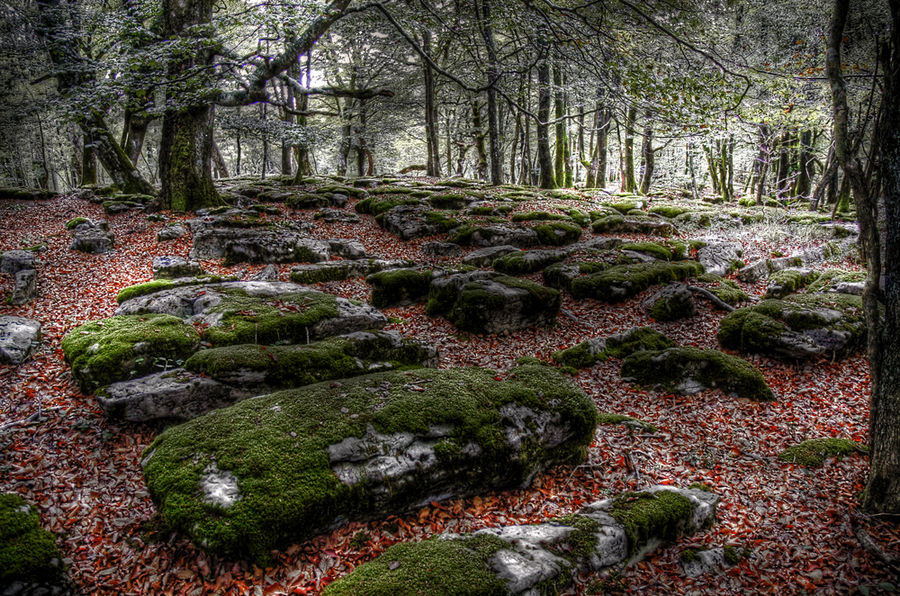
14 261
718 257
337 270
500 234
485 257
442 249
330 215
528 261
171 232
18 337
92 237
673 302
171 267
239 236
412 221
25 288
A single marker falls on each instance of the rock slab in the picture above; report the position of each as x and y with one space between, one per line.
18 338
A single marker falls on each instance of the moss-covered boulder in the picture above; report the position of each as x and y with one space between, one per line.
619 345
292 464
788 281
343 269
399 286
538 558
521 262
174 266
838 280
158 285
558 233
619 224
812 453
495 235
621 282
672 303
798 327
724 289
382 204
416 221
30 562
127 346
487 302
687 370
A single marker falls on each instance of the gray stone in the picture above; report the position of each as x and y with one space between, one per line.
25 288
717 257
348 249
809 257
239 236
528 261
93 237
337 270
171 267
14 261
499 235
671 303
268 273
18 337
219 488
330 215
442 249
484 257
712 560
409 221
855 288
171 232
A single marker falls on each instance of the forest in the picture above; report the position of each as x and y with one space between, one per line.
449 297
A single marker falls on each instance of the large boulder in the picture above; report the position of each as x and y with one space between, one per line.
14 261
620 345
812 256
173 266
619 224
485 257
719 258
394 287
621 282
688 370
538 558
18 337
798 327
415 221
171 232
344 269
240 236
92 237
30 561
788 281
488 302
25 287
289 465
219 377
496 235
528 261
671 303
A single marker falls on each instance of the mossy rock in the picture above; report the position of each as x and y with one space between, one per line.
28 553
787 281
672 303
725 290
649 516
687 370
558 233
158 285
813 452
450 200
620 224
280 367
486 302
797 327
399 286
830 278
538 216
607 418
379 205
527 261
301 200
624 281
623 207
620 345
654 249
561 194
669 211
75 222
579 217
350 191
289 465
126 346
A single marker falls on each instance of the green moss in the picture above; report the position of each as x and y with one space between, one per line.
75 222
313 276
637 339
158 285
700 486
276 447
582 355
788 281
561 194
733 554
441 220
522 262
669 211
725 290
676 370
672 307
558 233
379 205
539 216
284 318
654 249
304 200
439 567
812 453
28 553
623 206
607 224
398 286
125 346
579 217
581 543
350 191
646 516
449 200
624 281
607 418
689 555
831 277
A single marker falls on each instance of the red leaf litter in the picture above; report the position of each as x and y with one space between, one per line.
83 473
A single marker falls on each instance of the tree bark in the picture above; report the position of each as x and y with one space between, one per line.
545 161
562 168
628 179
492 108
433 166
481 167
648 156
88 161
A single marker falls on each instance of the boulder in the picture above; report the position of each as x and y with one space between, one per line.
25 288
558 233
527 559
687 370
171 267
487 302
442 249
283 467
267 273
171 232
30 561
485 257
673 302
697 562
92 237
14 261
811 256
415 221
240 236
620 345
395 287
18 337
798 327
719 258
619 224
337 270
527 261
618 283
330 215
788 281
496 235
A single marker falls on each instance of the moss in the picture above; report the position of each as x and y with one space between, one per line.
607 418
608 223
558 233
439 567
276 447
581 543
449 200
812 453
733 554
700 486
831 277
788 281
350 191
158 285
28 553
323 274
678 369
560 194
624 281
441 220
399 286
689 555
582 355
653 249
522 262
622 206
672 307
304 200
725 290
637 339
539 216
75 222
125 346
669 211
284 318
579 217
379 205
647 516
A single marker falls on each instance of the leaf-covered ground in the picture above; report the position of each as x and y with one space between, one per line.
83 473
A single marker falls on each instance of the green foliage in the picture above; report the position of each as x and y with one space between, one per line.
75 222
812 453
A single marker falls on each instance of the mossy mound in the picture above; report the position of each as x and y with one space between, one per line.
158 285
125 346
383 204
450 200
656 250
688 370
619 224
624 281
558 233
623 206
788 281
28 553
669 211
399 286
619 345
486 302
292 464
725 290
672 303
797 327
279 367
812 453
301 200
607 418
650 516
527 261
75 222
831 278
350 191
539 216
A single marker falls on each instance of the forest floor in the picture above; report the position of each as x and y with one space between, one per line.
82 471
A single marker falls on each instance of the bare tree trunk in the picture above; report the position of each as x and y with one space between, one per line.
492 109
629 182
433 166
219 161
481 168
647 155
545 161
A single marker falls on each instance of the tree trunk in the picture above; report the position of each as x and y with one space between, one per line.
186 142
492 109
804 176
433 166
301 152
628 178
362 152
88 161
481 168
545 161
648 156
219 161
562 167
